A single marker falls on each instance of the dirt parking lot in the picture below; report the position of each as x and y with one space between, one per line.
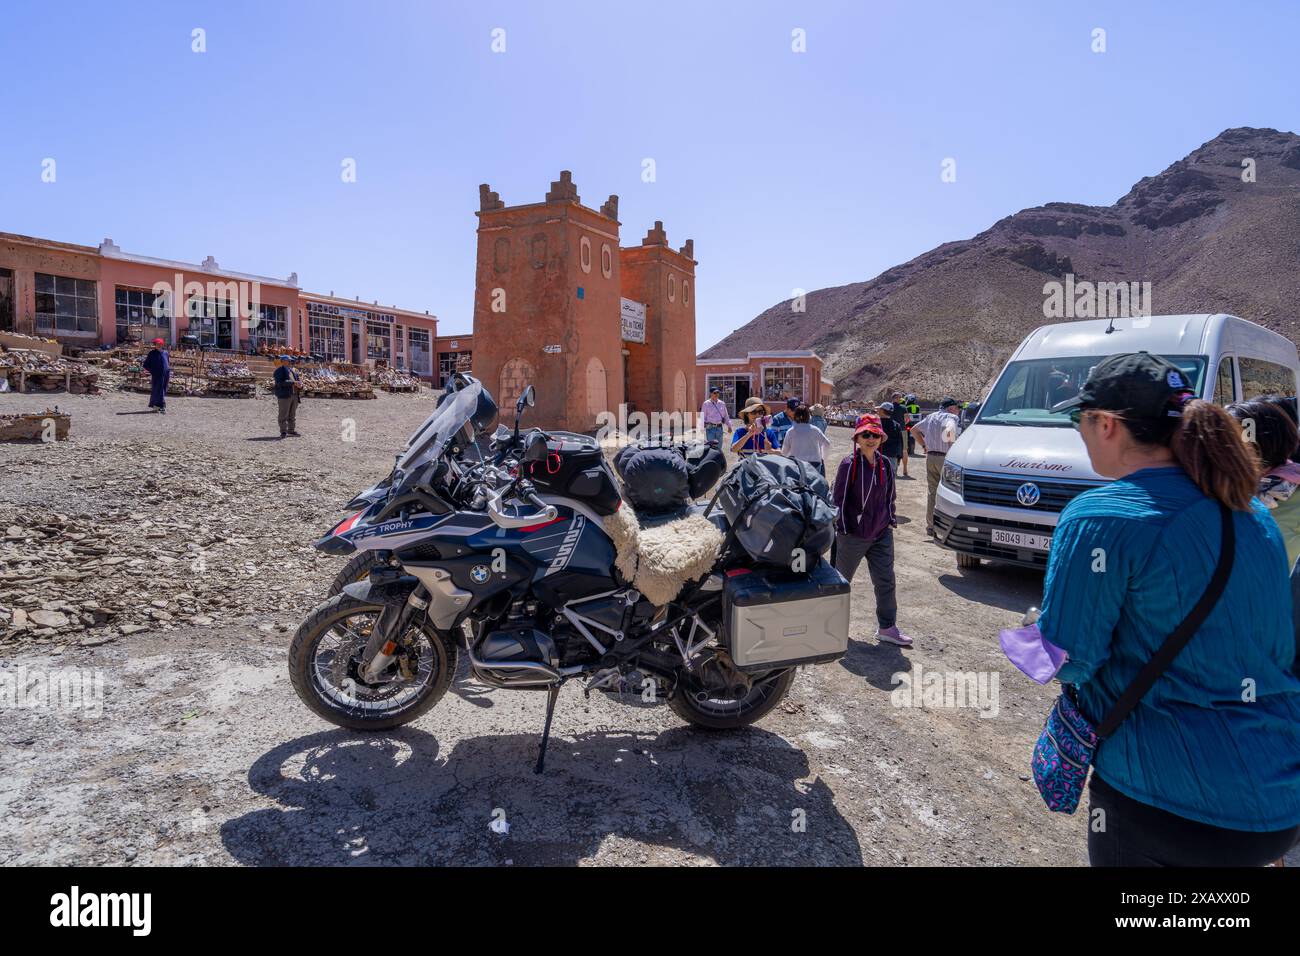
177 549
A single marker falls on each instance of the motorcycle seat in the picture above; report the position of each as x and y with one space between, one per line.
660 554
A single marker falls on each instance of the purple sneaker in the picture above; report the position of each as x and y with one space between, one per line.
894 636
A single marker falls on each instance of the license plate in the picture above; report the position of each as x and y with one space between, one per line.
1022 539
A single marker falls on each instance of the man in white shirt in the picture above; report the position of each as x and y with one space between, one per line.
714 416
936 433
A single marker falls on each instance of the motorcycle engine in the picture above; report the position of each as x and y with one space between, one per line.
521 642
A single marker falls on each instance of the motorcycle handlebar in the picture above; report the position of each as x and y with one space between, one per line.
502 520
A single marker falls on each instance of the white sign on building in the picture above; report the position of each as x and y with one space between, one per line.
633 320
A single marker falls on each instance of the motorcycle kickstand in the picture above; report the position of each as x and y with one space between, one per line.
552 693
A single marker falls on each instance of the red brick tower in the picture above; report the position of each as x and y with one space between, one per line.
546 306
661 372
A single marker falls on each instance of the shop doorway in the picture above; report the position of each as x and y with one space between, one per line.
6 300
735 390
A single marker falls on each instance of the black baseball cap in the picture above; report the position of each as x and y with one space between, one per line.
1136 382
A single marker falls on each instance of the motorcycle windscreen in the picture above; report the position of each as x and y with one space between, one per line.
472 405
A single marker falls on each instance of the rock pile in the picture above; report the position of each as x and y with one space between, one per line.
391 380
30 370
324 382
172 543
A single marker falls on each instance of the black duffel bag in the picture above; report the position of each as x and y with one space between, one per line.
776 505
663 476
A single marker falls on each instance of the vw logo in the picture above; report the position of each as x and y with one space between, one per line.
1028 494
479 573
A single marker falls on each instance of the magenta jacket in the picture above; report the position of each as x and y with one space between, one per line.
865 496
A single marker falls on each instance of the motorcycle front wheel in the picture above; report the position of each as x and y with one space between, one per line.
324 667
357 569
694 705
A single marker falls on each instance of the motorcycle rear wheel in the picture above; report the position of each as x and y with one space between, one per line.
730 715
308 667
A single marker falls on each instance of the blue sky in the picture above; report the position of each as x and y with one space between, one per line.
790 170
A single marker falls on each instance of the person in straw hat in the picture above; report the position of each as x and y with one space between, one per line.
755 435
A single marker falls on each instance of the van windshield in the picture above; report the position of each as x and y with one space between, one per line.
1026 390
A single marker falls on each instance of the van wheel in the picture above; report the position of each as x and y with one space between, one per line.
967 560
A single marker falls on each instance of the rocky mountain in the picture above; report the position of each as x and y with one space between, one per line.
1209 233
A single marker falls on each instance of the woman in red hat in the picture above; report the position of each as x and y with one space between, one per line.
159 368
864 493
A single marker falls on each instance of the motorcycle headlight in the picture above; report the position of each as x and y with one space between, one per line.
951 477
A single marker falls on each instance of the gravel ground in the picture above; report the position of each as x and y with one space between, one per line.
203 755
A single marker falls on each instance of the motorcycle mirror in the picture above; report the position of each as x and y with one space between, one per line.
527 400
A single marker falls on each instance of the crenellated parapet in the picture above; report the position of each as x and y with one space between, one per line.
563 189
488 200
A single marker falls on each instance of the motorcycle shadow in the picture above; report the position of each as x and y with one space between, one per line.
344 798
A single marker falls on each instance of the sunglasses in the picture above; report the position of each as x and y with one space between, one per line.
1077 413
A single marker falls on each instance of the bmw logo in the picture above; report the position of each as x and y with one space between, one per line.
479 574
1028 494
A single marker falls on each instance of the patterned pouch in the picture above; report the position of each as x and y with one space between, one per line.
1063 755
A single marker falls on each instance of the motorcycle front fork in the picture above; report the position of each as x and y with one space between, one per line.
393 622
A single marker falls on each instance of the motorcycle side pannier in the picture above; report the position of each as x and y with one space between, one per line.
775 618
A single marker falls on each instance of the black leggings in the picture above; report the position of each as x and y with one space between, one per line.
1138 834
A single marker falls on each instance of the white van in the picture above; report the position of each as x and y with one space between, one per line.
1010 473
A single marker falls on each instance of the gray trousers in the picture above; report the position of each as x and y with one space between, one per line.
849 552
288 414
933 472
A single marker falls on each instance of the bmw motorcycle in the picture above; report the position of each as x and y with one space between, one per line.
499 552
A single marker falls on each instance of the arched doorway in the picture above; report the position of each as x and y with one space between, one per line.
597 389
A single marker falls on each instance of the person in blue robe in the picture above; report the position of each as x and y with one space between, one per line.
159 368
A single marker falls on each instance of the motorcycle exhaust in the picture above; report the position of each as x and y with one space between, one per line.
515 673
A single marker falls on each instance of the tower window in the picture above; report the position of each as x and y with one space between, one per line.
584 254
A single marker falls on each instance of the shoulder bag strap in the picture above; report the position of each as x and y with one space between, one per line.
1176 641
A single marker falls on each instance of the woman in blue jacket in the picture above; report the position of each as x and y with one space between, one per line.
1206 769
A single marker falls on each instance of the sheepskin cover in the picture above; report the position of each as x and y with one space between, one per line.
660 561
